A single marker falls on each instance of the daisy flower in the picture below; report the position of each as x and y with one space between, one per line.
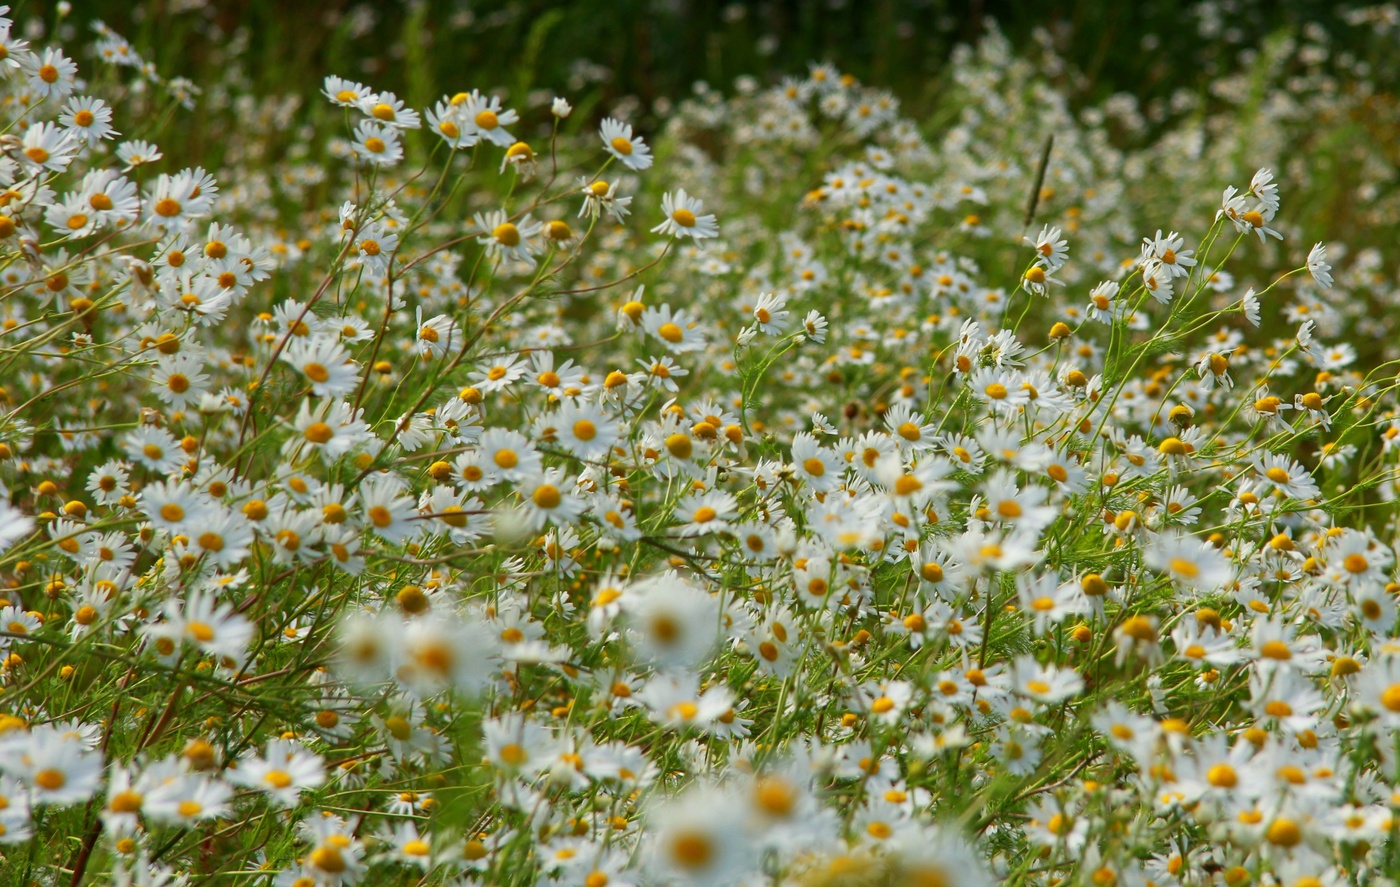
1378 690
137 153
484 115
51 73
186 799
708 512
697 840
203 623
548 499
1287 476
498 376
1045 683
674 623
87 119
510 453
1051 251
325 364
1317 266
677 331
683 217
377 144
620 143
48 146
154 448
284 772
391 513
586 431
58 771
1168 253
346 93
1188 561
770 314
389 108
507 239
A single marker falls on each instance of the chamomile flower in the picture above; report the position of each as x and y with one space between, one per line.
137 153
389 108
1045 684
1317 266
675 623
684 219
323 363
1051 250
88 119
509 239
283 772
49 147
1287 476
1188 562
487 119
586 430
57 771
346 93
377 144
1167 253
52 75
630 150
549 499
695 839
675 330
708 512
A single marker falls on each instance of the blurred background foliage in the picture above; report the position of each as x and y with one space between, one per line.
636 58
657 49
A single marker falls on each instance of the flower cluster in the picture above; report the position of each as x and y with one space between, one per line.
481 533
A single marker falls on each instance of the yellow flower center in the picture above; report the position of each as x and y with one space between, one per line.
1222 776
1182 567
1390 698
547 496
506 234
50 780
278 778
692 850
